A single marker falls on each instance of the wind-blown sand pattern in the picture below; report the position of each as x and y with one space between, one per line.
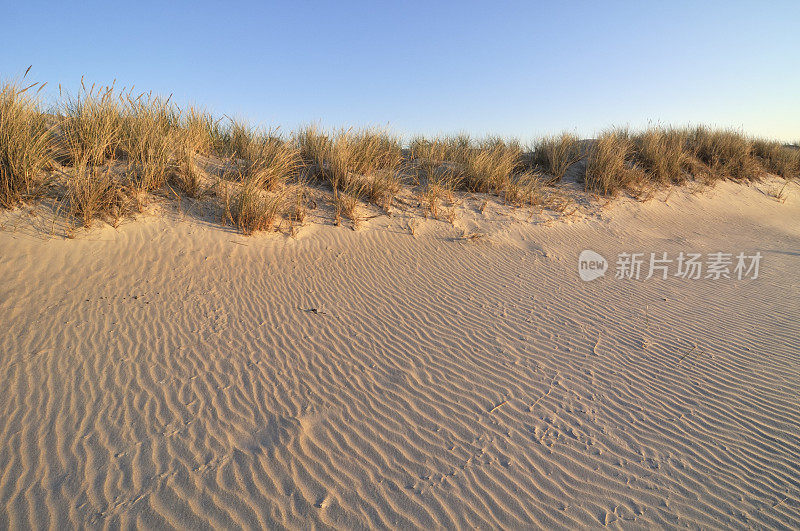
174 374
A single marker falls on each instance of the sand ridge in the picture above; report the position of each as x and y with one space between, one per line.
178 375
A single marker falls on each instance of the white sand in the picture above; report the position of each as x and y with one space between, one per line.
169 373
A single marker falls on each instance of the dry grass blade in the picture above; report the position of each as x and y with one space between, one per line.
431 197
188 175
727 154
382 187
440 182
346 198
349 154
201 131
663 155
149 139
252 209
778 193
607 169
299 203
91 123
479 166
236 139
264 158
439 162
315 147
555 154
524 189
92 193
348 205
25 146
198 133
777 158
490 163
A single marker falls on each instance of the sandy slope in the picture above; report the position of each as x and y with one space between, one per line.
173 374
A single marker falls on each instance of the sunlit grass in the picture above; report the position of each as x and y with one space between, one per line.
25 144
109 148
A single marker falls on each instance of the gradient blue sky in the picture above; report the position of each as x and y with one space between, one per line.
512 68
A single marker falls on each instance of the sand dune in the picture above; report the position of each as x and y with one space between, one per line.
175 374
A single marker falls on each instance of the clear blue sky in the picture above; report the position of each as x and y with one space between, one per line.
517 68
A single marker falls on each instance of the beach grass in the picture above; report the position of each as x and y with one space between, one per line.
115 148
25 144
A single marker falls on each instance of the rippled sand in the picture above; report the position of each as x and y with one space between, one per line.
175 374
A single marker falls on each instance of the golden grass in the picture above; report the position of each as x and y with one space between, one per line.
349 154
439 167
91 124
263 157
236 139
346 198
201 131
777 158
150 138
347 204
439 161
251 209
453 162
197 133
188 175
431 196
490 163
25 145
524 189
298 205
355 163
555 154
120 146
382 187
727 154
607 169
314 146
460 162
663 154
93 193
